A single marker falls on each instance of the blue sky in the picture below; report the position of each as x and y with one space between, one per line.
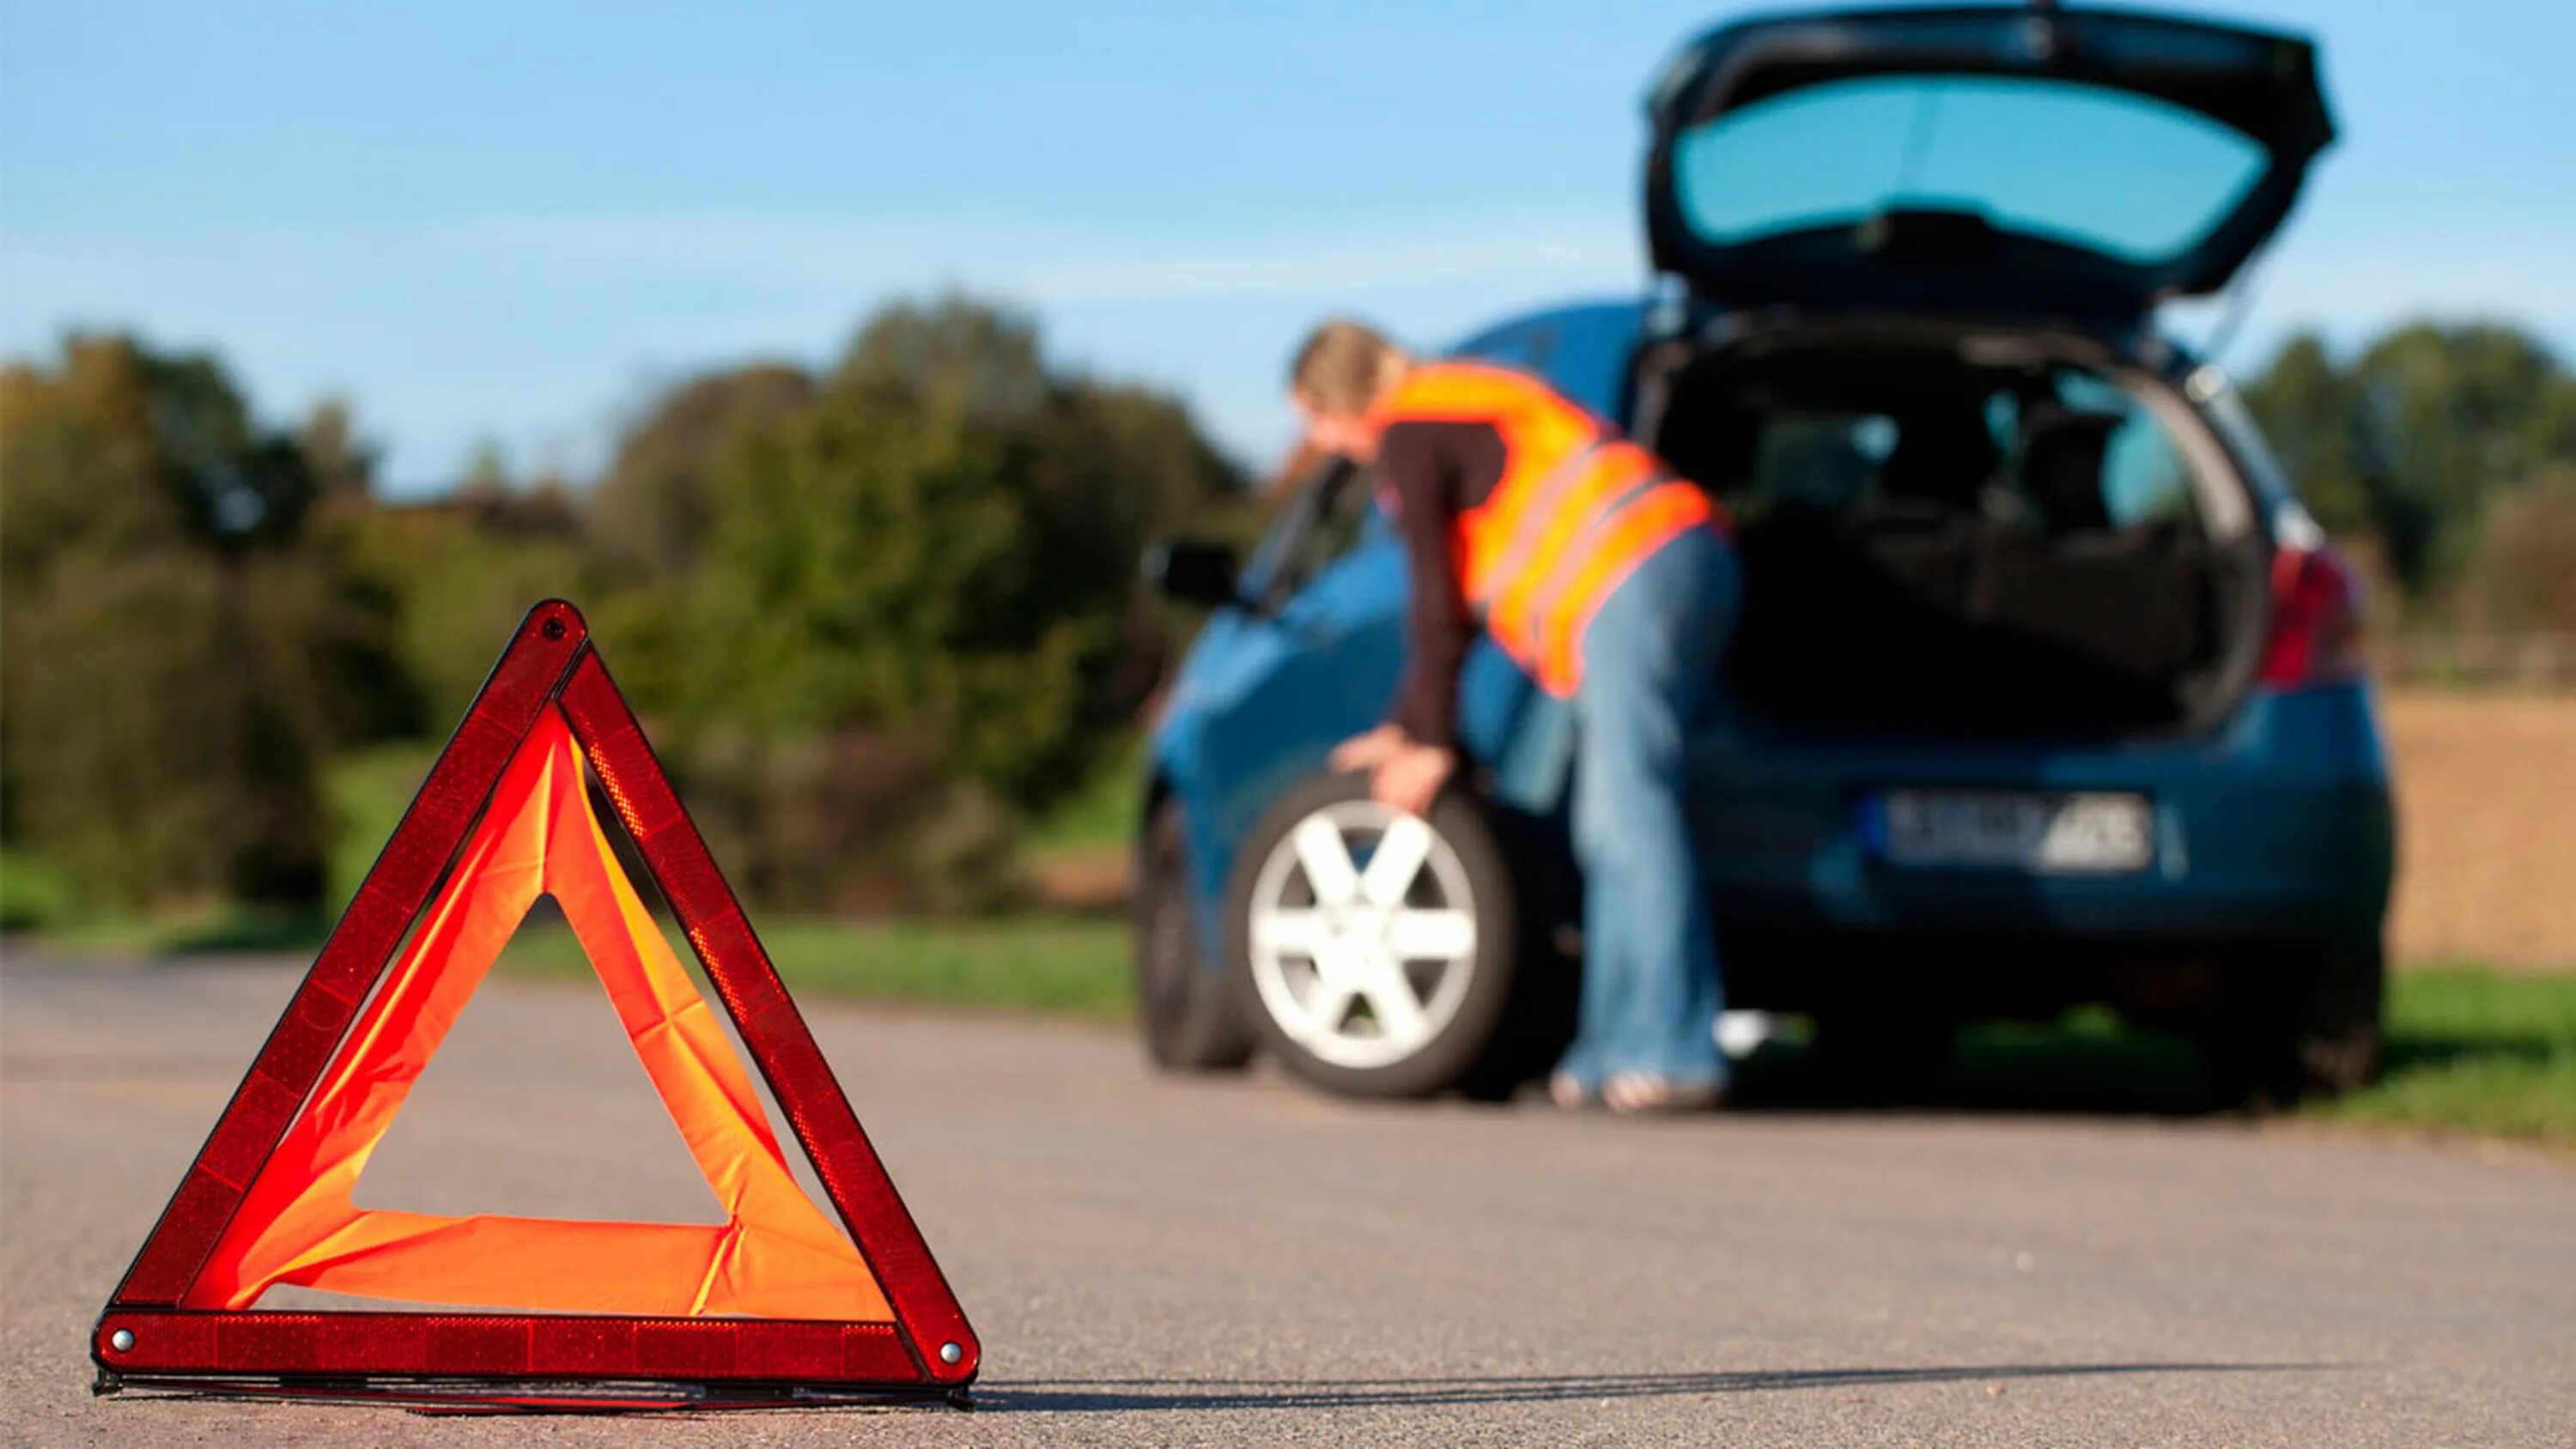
515 221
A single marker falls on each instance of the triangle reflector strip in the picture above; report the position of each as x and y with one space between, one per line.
774 1299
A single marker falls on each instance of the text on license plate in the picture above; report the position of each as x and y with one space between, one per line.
2016 830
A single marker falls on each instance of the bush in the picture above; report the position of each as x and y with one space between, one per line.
909 616
855 821
2523 575
876 617
157 758
460 576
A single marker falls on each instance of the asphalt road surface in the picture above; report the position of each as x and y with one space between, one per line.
1240 1261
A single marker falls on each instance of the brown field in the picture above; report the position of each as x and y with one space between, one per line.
2486 801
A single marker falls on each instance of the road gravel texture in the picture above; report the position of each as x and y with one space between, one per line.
1239 1261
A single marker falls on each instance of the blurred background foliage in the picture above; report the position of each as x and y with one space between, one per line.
877 618
880 618
2443 455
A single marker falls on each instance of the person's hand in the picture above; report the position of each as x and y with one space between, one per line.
1368 751
1403 775
1411 777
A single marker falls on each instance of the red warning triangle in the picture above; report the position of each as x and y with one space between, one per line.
774 1300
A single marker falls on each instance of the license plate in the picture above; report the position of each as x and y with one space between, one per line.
2017 830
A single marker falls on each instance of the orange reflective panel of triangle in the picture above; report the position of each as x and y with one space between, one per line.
775 1256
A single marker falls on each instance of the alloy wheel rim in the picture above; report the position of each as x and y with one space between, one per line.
1363 934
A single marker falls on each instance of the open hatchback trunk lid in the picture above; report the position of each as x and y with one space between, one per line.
1981 158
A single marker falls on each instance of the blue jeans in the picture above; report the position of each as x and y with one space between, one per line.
1650 660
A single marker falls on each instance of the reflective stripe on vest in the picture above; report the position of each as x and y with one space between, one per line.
1577 509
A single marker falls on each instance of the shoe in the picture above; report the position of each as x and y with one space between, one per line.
1567 1091
1632 1094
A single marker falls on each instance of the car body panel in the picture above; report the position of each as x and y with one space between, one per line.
2275 824
1587 350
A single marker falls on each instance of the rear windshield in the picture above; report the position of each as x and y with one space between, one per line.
2109 171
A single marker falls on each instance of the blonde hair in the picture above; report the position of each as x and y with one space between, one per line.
1344 365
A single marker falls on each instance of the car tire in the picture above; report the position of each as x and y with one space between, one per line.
1184 1011
1375 1022
2311 1029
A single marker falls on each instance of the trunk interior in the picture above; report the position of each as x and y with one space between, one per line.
1967 538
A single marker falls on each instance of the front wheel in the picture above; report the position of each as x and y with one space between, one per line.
1183 1008
1375 952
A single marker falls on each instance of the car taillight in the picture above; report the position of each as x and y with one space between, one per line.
2316 618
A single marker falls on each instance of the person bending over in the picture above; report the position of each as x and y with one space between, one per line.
1614 583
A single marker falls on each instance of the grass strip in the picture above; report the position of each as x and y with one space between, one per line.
2473 1050
1070 965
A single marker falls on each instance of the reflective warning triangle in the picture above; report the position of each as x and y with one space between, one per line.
774 1301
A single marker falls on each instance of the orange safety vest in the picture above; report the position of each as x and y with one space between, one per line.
1577 509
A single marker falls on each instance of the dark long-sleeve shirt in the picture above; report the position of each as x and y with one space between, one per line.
1428 474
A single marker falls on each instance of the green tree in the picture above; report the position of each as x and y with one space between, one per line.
460 571
173 658
87 473
911 599
955 356
2409 444
2460 415
942 536
2311 412
650 515
343 464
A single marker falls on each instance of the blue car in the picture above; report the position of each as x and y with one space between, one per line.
2046 690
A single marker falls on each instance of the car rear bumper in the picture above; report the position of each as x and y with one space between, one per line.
2277 826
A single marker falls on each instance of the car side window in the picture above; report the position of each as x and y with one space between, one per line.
1344 521
1332 512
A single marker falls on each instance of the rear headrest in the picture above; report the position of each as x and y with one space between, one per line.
2061 466
1942 456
